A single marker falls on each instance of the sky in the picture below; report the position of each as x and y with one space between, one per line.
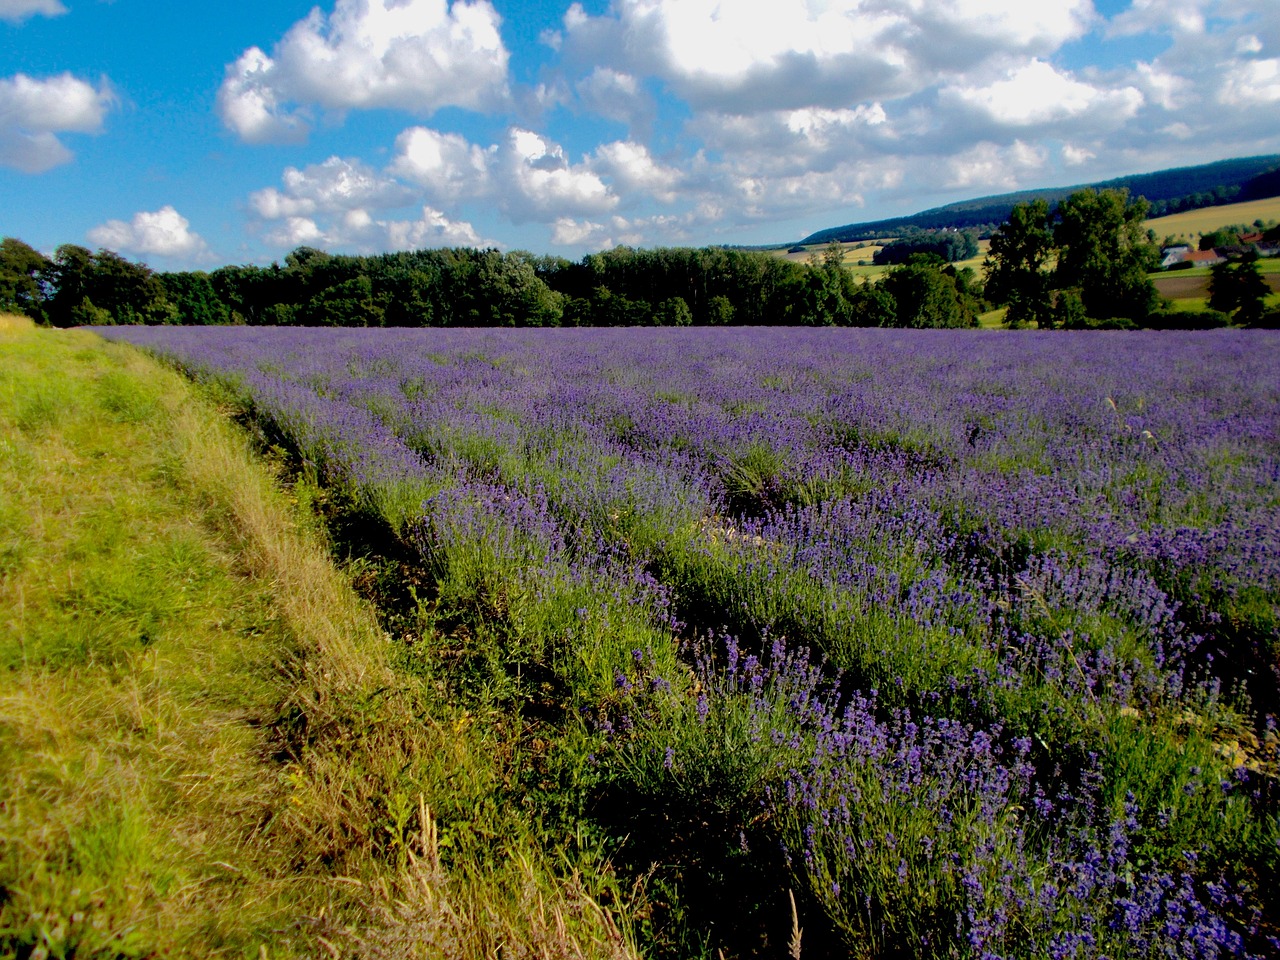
191 135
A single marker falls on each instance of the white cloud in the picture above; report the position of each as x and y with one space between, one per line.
794 110
1161 16
540 183
1249 43
249 104
164 233
412 55
296 232
988 165
359 230
788 143
18 10
1074 156
592 235
334 185
433 229
745 56
529 177
33 113
1252 83
1037 93
630 167
446 165
1161 87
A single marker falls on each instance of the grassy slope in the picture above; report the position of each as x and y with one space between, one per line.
1193 223
206 749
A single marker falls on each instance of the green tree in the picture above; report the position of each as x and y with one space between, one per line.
1106 252
1238 285
673 312
22 273
131 292
346 304
720 311
927 295
194 298
871 305
1017 264
104 287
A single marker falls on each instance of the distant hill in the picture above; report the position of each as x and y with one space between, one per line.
1168 191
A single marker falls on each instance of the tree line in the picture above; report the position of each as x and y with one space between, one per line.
486 288
1081 264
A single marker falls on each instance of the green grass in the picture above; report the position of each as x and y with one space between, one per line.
134 652
210 747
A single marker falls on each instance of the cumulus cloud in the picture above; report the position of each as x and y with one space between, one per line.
743 56
18 10
771 113
163 233
809 139
543 183
412 55
1037 93
631 168
433 229
446 165
334 185
616 230
991 166
528 176
1252 83
34 112
359 230
1220 68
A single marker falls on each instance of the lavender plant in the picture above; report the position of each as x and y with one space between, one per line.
1007 608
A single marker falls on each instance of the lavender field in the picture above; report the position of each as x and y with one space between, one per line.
970 641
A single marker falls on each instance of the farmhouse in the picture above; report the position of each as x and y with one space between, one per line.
1203 258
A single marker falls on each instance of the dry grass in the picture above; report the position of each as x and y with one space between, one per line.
14 322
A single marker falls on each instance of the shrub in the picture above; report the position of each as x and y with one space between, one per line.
1186 320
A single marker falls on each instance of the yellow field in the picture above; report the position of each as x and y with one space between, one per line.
1193 223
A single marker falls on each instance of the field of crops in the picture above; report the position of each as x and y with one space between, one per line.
968 641
1192 223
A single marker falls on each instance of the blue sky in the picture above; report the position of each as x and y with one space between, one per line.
191 135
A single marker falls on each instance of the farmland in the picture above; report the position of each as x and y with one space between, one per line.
1183 285
967 642
1193 223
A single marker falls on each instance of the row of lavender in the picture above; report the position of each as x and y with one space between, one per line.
996 615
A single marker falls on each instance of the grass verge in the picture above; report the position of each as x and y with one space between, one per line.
209 750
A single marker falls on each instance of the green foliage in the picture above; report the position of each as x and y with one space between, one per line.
1017 264
1105 252
1083 266
719 311
1237 286
1186 320
194 298
950 245
927 295
673 312
104 287
22 274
